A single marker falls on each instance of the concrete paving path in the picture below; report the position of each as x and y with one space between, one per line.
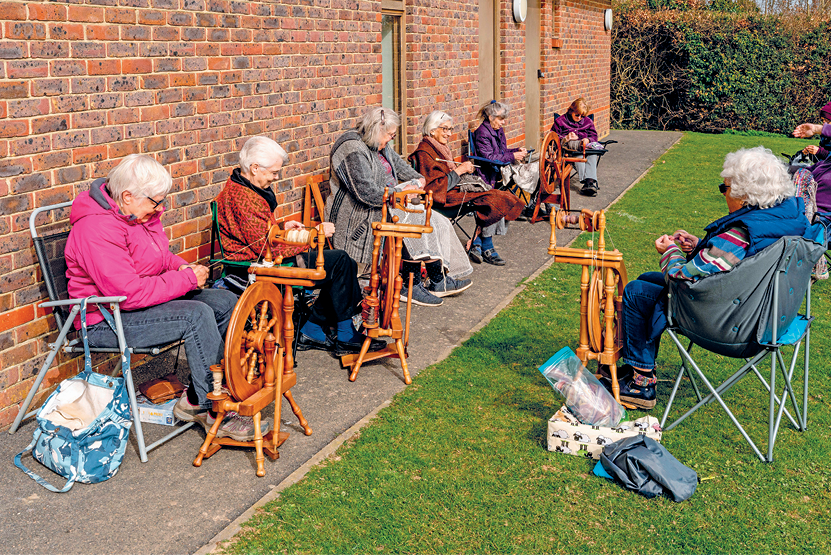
168 506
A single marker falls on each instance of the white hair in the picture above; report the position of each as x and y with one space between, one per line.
434 120
757 177
375 122
262 151
493 109
139 174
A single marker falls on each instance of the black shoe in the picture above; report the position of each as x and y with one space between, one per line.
590 188
306 343
354 347
475 254
492 257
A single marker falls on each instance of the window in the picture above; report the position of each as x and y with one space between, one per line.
392 67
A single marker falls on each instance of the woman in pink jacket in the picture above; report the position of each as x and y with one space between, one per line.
118 246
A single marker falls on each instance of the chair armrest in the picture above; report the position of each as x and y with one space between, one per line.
487 160
94 300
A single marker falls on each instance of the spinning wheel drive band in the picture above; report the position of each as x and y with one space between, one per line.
597 304
258 313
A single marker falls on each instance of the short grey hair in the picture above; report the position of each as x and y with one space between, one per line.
374 122
493 109
262 151
434 120
139 174
757 177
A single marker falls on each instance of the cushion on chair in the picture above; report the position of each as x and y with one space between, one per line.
729 313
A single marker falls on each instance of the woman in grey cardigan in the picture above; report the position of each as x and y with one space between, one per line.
362 164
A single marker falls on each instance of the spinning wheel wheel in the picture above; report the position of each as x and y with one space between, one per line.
555 172
598 298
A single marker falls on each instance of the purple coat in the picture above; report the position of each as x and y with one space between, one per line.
493 145
584 128
822 173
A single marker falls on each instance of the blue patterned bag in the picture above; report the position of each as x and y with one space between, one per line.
83 427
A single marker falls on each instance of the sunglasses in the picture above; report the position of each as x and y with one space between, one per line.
723 188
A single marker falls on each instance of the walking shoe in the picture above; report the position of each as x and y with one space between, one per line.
306 343
239 428
421 296
492 257
640 391
448 286
186 412
475 254
354 347
590 188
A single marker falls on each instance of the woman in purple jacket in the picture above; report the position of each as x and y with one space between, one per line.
117 246
576 130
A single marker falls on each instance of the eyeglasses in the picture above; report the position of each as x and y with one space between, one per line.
156 203
446 129
723 188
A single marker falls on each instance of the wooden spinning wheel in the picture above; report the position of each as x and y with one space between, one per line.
381 307
555 173
258 366
602 280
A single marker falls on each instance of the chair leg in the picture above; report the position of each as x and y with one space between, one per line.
68 324
131 388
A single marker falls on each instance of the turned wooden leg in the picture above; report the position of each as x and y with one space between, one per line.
403 356
357 366
258 445
298 413
203 451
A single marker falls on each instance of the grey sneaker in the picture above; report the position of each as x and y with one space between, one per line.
240 428
449 286
186 412
421 296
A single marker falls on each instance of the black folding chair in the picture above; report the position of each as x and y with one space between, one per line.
49 249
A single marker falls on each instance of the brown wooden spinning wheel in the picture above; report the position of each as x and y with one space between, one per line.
598 298
555 175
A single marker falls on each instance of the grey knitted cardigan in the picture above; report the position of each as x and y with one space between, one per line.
357 180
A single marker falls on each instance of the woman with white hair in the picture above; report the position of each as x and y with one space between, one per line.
117 246
454 184
761 208
362 165
246 211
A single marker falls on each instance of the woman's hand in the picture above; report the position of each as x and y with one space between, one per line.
807 130
664 242
686 241
200 271
464 167
520 154
326 228
585 143
571 136
810 149
292 224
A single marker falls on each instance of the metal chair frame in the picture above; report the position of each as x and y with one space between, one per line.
65 323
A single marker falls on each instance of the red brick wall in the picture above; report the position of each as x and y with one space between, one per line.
82 84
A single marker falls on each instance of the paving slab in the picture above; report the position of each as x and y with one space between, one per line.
168 506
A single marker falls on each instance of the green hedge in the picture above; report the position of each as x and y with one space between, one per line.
710 71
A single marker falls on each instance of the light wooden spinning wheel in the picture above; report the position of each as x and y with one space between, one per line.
602 280
258 366
381 307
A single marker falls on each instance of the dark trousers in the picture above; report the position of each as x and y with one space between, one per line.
340 295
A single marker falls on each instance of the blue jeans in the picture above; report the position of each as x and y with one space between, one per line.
644 319
200 317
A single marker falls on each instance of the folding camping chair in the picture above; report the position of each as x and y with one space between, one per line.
509 186
750 313
50 253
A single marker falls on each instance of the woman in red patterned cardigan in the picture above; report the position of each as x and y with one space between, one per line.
245 212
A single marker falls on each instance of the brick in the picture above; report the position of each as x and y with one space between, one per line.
19 128
89 154
12 50
14 89
132 32
119 15
122 116
50 124
104 101
68 67
13 205
8 169
68 103
155 113
27 68
137 66
70 175
29 145
103 32
13 10
20 30
34 328
88 50
124 82
89 119
35 181
122 50
49 49
121 149
138 130
85 85
66 31
155 82
106 135
104 67
165 34
70 139
39 12
86 14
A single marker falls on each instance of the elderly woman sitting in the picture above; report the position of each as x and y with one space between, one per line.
118 246
362 165
245 212
490 142
454 184
576 130
762 208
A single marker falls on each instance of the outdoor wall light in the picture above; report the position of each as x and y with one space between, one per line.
607 20
520 10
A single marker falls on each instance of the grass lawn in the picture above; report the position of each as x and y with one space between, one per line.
458 462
